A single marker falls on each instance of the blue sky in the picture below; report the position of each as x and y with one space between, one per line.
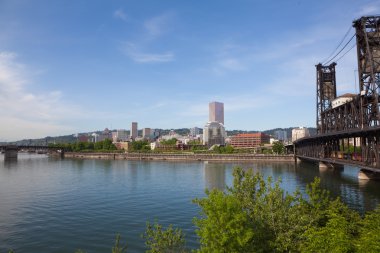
78 66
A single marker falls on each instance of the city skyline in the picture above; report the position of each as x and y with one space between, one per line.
69 67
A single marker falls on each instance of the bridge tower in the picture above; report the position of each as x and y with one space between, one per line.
368 51
326 92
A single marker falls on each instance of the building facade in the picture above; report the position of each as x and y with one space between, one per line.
146 133
214 134
281 135
195 131
134 131
216 112
300 132
249 140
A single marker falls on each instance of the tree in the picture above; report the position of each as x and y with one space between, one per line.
278 148
160 240
369 232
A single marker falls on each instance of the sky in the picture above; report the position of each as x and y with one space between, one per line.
79 66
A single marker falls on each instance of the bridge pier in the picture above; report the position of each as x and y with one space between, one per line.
323 166
10 153
368 175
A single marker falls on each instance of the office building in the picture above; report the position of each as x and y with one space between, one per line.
134 131
300 132
249 140
120 135
216 112
146 133
195 131
281 135
214 133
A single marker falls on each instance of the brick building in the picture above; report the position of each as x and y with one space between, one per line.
249 140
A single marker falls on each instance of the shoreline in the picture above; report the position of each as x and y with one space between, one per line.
180 157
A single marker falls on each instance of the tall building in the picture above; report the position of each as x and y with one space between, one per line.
281 135
300 132
214 133
146 133
195 131
216 112
134 130
120 135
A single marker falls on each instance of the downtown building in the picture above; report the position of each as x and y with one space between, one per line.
298 133
134 130
214 132
216 112
249 140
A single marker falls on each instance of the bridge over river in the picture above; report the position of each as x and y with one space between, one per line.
348 127
10 151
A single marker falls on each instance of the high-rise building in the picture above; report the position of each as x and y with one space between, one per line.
146 133
195 131
281 135
216 112
134 132
214 133
120 135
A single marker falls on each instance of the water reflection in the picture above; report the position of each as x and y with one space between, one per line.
341 183
215 175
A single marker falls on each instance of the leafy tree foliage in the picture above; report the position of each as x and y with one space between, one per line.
228 149
278 148
160 240
172 141
100 146
256 215
140 145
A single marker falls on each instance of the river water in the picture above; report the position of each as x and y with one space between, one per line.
52 205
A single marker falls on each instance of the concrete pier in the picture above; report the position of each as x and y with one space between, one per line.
323 166
10 152
368 175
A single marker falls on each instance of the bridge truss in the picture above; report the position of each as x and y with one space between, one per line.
350 131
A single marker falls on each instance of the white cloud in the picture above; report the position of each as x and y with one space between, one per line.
120 14
159 24
232 64
27 114
370 9
136 55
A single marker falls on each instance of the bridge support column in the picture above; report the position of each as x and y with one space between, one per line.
323 166
368 175
10 153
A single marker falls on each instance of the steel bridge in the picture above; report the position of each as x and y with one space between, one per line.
348 127
10 151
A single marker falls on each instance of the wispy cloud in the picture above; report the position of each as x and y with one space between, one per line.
158 25
136 55
120 14
27 114
370 8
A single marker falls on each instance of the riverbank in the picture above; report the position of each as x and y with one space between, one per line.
181 157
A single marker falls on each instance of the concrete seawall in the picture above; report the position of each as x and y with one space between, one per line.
181 157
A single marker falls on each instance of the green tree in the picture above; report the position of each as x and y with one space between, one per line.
160 240
369 232
278 147
172 141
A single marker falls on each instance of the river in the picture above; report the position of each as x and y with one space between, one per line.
52 205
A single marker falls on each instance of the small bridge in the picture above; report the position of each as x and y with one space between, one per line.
10 151
348 127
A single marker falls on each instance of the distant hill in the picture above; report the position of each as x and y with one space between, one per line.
182 131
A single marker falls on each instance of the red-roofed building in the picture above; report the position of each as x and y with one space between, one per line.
249 140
